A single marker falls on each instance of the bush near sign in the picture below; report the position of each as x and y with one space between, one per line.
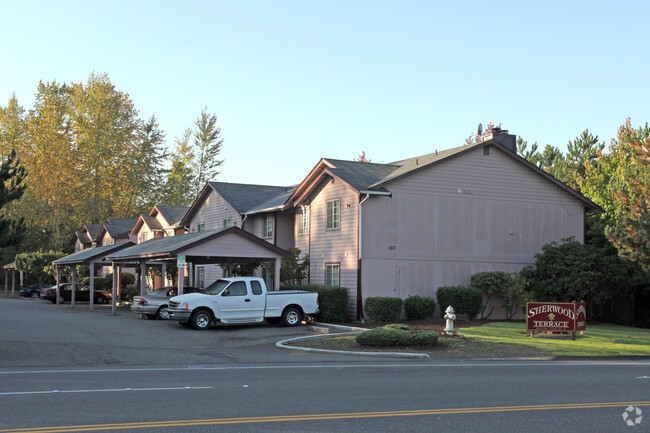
556 316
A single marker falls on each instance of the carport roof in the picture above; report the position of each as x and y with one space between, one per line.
91 254
169 247
9 266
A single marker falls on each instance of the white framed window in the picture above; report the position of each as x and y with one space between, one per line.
302 215
200 227
200 278
227 223
333 214
267 230
332 274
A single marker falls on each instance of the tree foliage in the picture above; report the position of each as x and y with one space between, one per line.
629 229
207 146
38 264
12 175
569 271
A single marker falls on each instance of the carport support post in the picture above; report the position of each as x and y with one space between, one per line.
276 274
6 282
92 286
73 287
22 274
164 274
13 282
115 278
143 278
58 283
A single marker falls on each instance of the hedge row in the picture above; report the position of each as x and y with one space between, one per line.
397 335
386 309
333 300
464 299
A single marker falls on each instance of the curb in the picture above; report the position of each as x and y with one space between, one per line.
324 328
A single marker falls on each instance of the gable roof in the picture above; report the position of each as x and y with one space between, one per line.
92 231
172 214
371 178
242 197
165 248
91 254
117 227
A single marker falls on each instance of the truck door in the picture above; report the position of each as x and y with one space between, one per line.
258 300
235 302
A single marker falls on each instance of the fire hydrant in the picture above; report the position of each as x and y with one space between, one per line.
450 317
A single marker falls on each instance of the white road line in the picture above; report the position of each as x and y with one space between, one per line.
65 391
339 366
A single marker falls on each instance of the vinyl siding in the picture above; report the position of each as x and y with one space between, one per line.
470 214
335 245
212 212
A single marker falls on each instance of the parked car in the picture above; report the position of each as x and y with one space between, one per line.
81 294
154 305
33 291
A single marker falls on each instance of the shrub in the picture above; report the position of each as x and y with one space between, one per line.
401 326
491 284
392 335
464 299
129 291
383 309
417 307
125 279
333 301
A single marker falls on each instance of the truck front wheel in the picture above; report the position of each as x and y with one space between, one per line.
291 316
201 320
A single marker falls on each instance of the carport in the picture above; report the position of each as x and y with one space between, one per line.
211 247
11 267
91 257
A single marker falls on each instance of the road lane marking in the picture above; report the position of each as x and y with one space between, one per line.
321 417
64 391
463 364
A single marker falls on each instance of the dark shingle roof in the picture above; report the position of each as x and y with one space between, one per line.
92 230
119 227
90 254
152 222
275 203
244 197
82 236
173 214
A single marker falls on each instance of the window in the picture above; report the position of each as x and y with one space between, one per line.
227 223
333 214
303 220
267 231
238 288
256 287
200 278
332 274
200 227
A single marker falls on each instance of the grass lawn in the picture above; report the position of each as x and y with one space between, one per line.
599 340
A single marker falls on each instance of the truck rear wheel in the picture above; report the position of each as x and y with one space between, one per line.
201 320
291 316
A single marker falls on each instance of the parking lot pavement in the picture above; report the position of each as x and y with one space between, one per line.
37 333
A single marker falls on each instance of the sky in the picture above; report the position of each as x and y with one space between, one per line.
292 82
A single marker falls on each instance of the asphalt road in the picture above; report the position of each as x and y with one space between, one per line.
62 368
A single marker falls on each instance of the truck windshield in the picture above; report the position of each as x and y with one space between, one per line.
216 287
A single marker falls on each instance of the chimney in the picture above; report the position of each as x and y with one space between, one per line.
501 136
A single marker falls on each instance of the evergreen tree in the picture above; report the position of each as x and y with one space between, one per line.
12 175
180 178
207 146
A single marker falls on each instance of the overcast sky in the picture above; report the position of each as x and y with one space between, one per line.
294 81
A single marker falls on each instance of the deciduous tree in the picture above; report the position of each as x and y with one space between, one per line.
207 146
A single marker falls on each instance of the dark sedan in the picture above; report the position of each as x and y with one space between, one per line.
33 291
81 294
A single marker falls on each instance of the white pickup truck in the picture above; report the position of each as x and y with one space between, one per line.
241 300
